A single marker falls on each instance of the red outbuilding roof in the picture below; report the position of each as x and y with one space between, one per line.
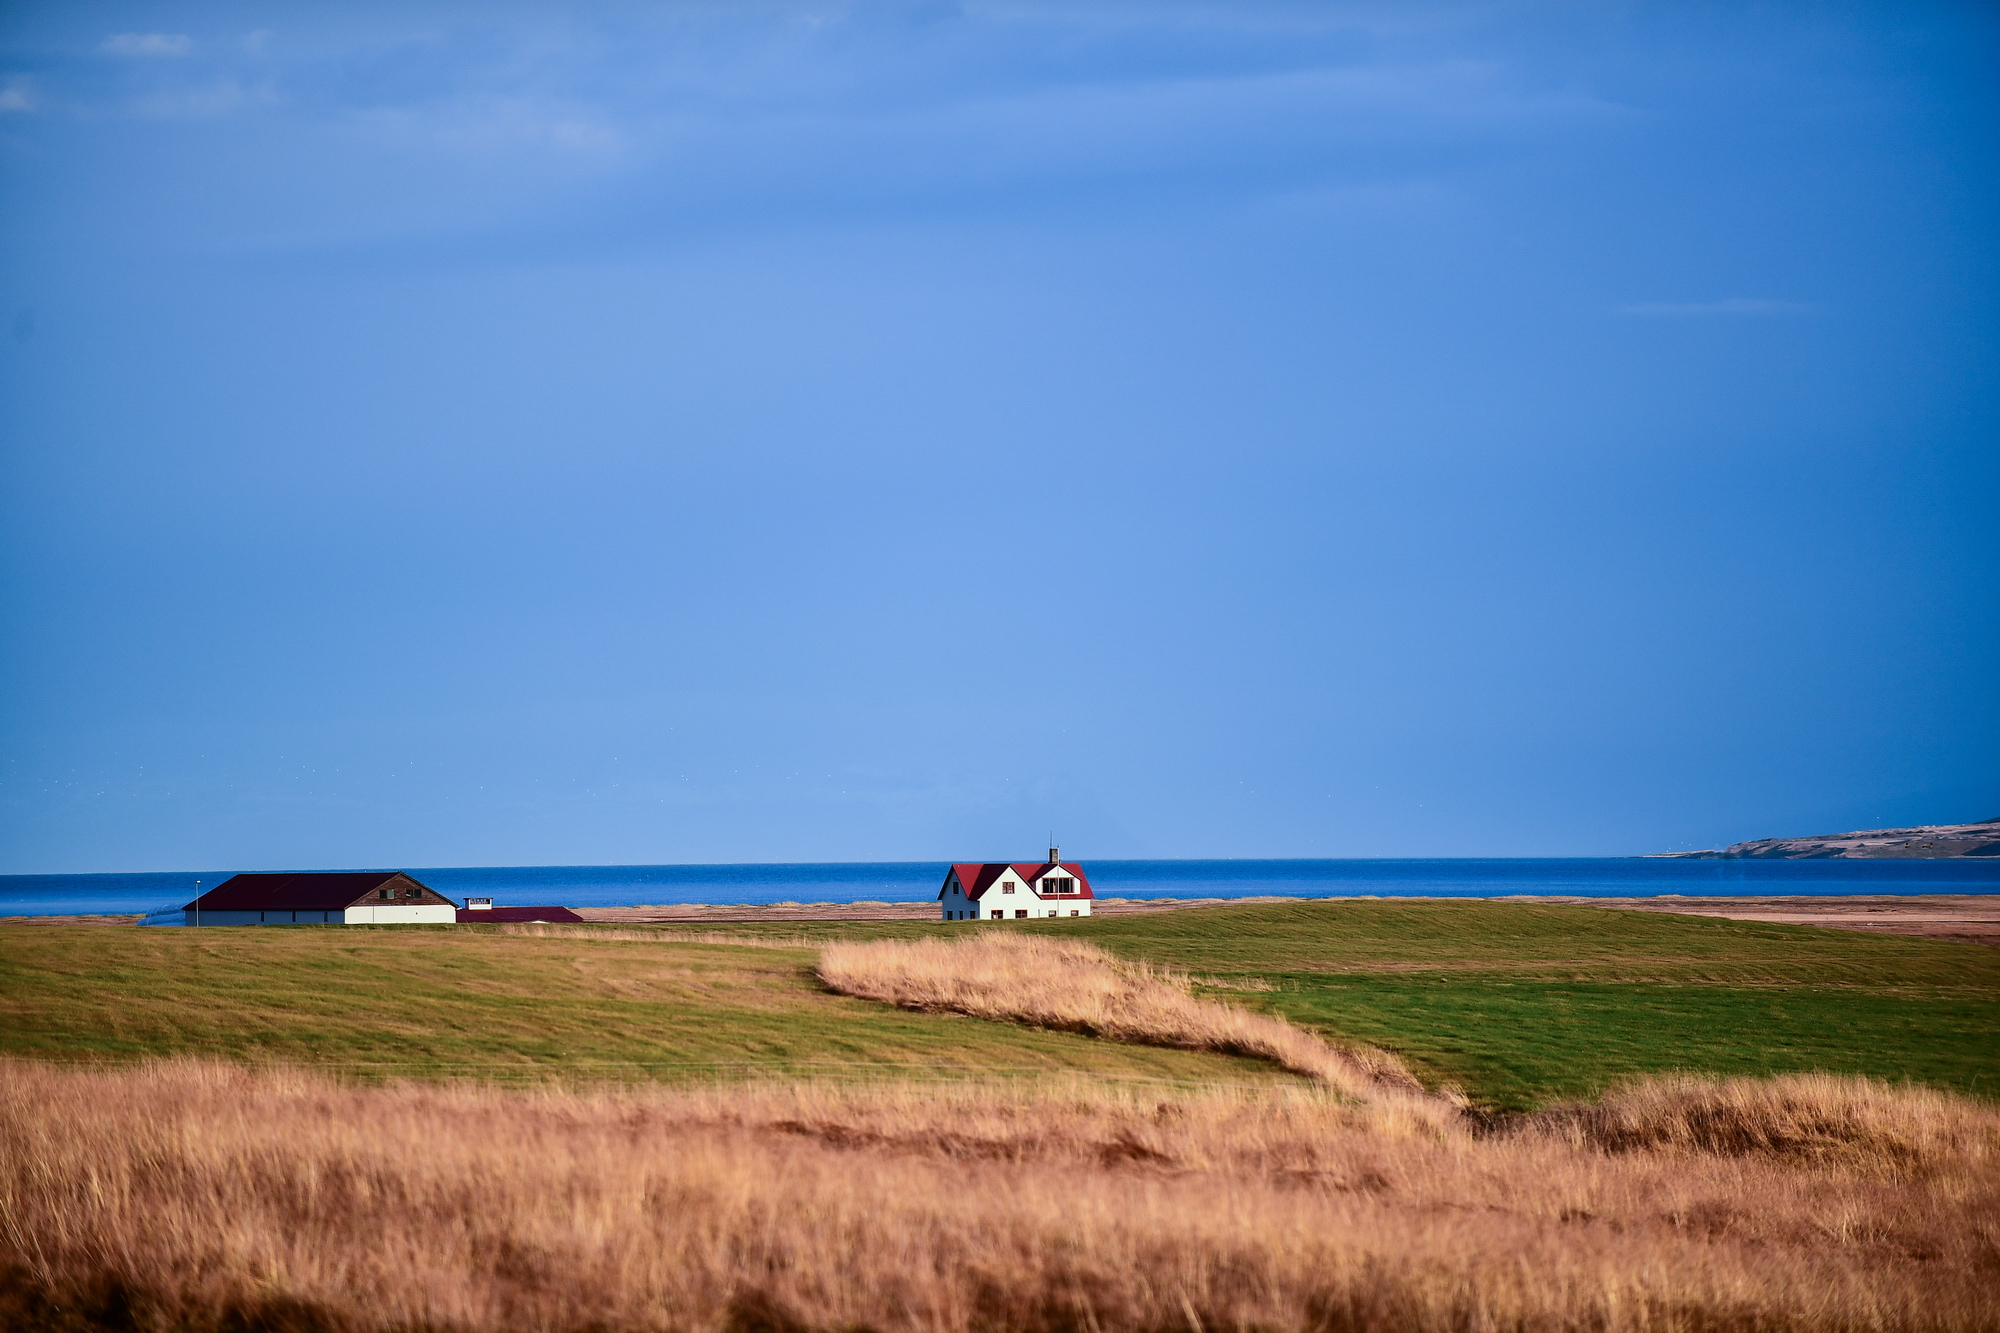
978 876
328 892
476 915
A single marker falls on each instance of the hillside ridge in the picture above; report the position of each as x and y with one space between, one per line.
1926 841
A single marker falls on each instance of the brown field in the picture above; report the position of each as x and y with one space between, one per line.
1970 918
195 1194
204 1196
1074 986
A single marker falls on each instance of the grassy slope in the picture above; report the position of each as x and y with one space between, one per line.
440 1001
1521 1004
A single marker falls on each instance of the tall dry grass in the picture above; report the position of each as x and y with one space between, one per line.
1822 1119
653 935
1078 987
190 1196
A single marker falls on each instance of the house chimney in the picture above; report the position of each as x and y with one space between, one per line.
1055 854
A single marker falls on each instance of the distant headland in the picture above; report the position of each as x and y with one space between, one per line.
1930 841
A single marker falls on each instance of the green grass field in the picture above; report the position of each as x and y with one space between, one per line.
1522 1004
1518 1004
415 1001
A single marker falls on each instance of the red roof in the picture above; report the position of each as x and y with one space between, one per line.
475 915
979 876
305 893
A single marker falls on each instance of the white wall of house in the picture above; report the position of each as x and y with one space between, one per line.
1007 895
953 905
400 914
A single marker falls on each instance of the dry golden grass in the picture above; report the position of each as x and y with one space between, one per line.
202 1196
1077 987
654 935
1808 1118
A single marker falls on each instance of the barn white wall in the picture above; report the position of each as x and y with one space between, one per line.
395 914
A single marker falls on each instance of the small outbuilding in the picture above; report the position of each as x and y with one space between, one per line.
1002 890
482 909
350 898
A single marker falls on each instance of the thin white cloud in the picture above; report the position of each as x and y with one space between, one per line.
1735 305
498 124
147 44
220 98
18 95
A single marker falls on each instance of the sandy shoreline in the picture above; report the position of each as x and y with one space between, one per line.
1970 917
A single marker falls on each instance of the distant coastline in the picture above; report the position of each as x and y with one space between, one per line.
1928 842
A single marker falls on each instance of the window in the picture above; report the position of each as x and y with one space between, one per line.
1020 911
1072 911
1006 888
385 893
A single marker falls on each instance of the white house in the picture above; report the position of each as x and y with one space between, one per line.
998 891
351 898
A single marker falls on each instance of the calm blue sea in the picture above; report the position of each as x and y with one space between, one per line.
915 881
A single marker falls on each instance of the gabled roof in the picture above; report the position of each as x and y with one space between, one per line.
329 892
979 876
1035 872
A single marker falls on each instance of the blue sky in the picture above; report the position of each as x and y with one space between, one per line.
480 435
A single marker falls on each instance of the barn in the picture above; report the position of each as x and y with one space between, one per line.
350 898
1024 891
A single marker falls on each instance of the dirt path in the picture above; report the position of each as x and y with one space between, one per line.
1971 917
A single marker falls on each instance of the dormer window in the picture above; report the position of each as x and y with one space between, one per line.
1058 884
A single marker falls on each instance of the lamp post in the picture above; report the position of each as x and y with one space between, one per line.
197 904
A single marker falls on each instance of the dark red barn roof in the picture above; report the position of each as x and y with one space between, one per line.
328 892
476 915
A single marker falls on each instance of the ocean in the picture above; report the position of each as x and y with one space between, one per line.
917 881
